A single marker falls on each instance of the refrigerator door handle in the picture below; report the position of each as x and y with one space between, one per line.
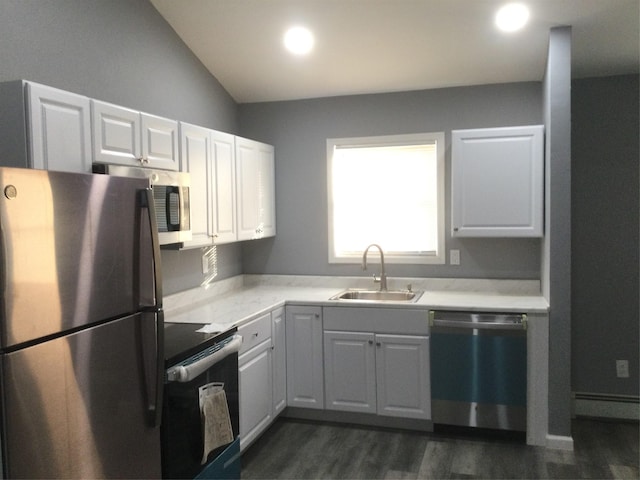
155 406
146 202
155 409
152 325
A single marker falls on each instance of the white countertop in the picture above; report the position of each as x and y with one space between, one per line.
232 302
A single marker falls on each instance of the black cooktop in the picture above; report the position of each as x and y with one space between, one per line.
181 340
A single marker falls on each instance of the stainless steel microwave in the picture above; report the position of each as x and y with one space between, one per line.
171 199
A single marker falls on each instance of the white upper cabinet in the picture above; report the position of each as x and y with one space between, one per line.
223 161
256 189
497 182
195 159
59 125
209 157
44 128
159 142
127 137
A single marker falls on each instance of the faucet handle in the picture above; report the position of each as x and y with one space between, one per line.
376 279
408 287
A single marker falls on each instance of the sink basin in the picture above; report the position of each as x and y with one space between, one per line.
378 296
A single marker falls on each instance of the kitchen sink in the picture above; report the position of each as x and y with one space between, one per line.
378 295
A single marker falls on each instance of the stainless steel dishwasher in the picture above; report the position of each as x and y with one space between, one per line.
479 369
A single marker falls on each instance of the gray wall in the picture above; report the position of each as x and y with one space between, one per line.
299 129
556 252
604 204
123 52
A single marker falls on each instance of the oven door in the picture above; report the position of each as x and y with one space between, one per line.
186 428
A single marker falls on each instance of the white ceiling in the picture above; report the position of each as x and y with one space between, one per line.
374 46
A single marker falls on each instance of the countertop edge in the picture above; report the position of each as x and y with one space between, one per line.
231 304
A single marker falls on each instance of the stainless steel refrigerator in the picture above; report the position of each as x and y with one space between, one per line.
81 347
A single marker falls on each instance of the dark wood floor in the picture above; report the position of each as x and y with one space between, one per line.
302 450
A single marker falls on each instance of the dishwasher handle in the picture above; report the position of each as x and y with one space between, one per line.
186 373
520 324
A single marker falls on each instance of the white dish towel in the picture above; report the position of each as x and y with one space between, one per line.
216 421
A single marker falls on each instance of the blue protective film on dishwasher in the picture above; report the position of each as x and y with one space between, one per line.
479 368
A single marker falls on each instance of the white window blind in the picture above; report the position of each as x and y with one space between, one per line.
389 191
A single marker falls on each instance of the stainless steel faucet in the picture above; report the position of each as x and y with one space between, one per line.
383 276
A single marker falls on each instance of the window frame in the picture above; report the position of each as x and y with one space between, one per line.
439 258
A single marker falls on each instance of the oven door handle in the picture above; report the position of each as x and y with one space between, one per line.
186 373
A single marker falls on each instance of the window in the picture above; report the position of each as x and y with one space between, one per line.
387 190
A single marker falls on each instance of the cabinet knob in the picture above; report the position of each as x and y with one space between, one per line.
378 344
370 342
317 315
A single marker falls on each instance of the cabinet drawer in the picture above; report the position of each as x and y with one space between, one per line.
402 321
255 332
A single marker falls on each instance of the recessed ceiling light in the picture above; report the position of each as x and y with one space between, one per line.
512 17
298 40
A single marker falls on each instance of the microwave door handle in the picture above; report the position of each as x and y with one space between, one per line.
172 194
148 204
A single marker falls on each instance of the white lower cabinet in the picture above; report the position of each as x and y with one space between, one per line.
255 379
305 379
278 339
261 374
377 373
403 377
255 386
350 371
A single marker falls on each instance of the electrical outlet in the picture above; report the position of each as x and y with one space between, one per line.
205 264
454 257
622 368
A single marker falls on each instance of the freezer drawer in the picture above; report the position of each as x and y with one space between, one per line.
478 370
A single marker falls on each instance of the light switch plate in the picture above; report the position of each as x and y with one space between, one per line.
454 257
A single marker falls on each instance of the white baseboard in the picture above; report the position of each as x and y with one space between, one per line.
559 442
621 407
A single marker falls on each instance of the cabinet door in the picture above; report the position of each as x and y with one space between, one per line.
278 340
497 182
305 379
223 157
350 371
256 189
116 134
195 159
267 190
159 142
255 381
403 376
59 129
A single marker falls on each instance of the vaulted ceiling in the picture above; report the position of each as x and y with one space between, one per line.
375 46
